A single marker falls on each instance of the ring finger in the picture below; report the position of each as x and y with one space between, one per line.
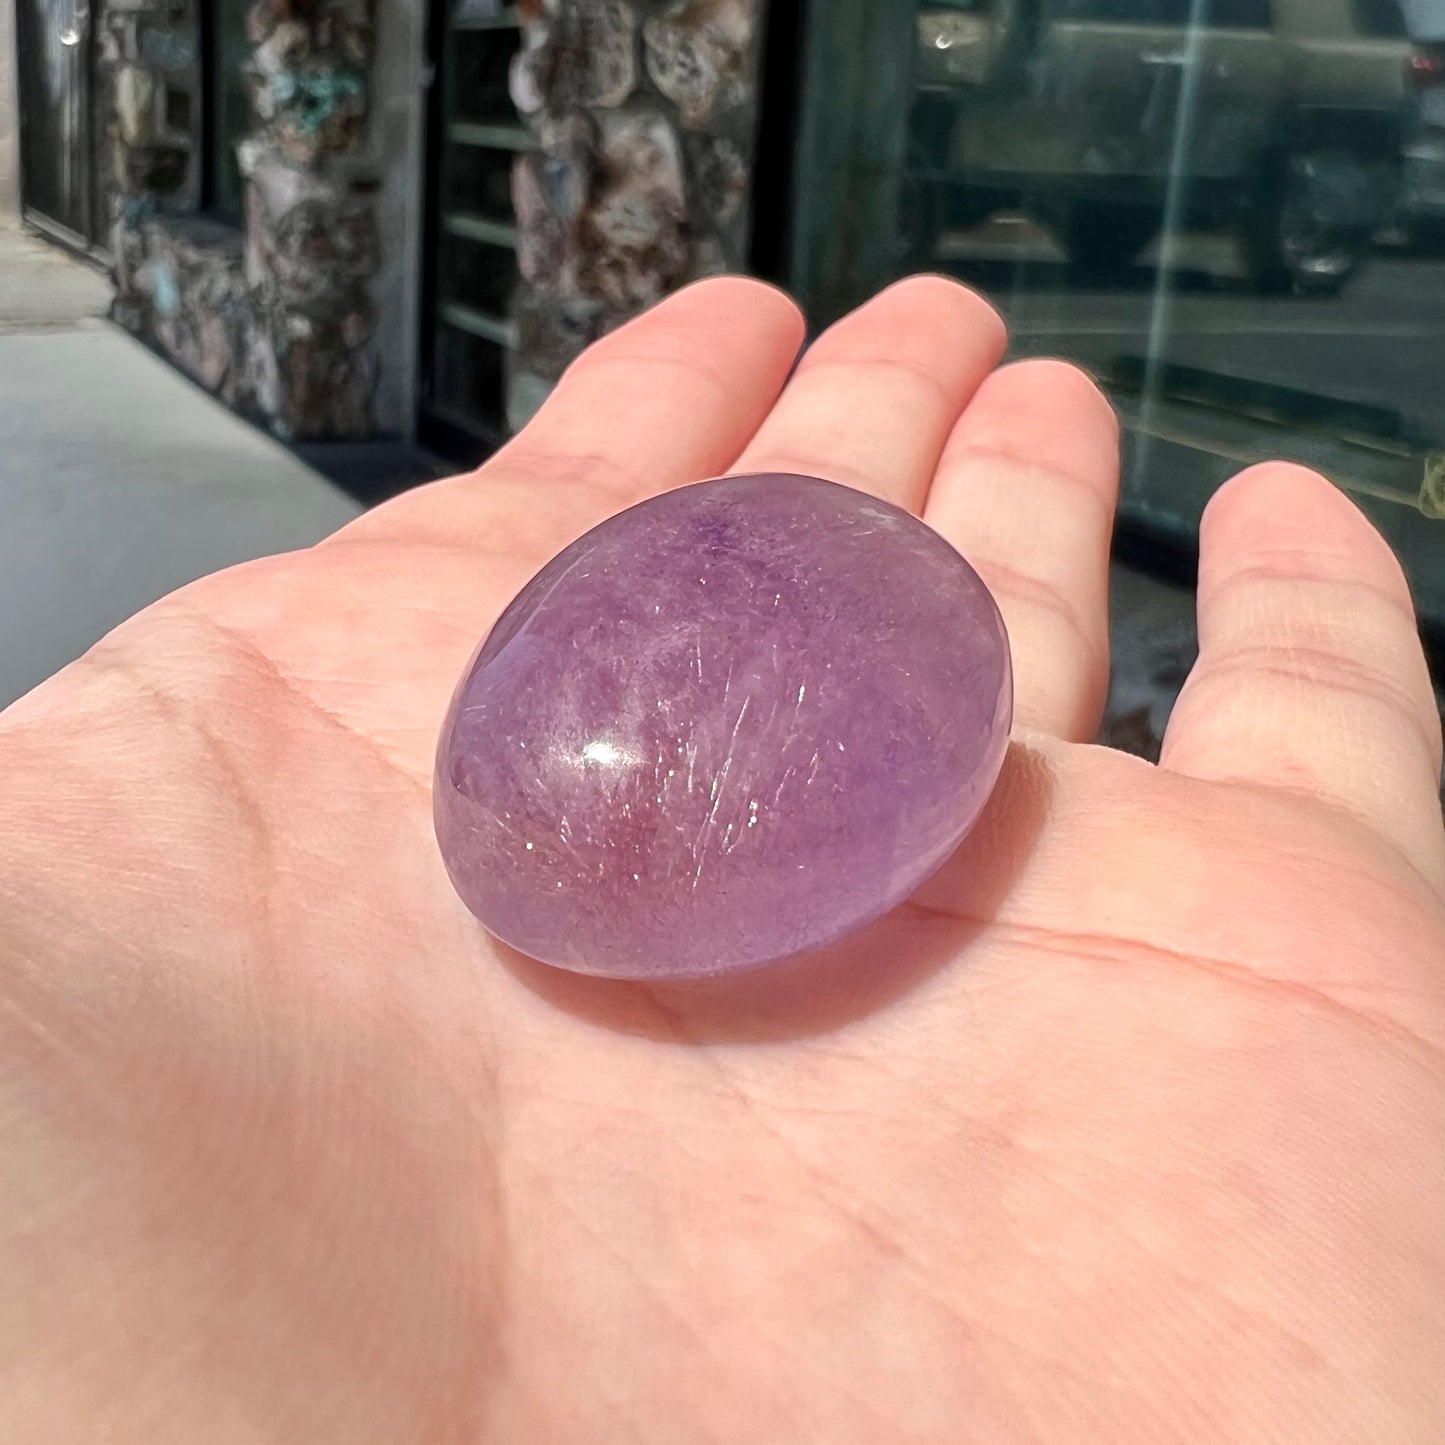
1026 491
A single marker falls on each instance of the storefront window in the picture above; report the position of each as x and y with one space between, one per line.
1231 211
229 108
472 235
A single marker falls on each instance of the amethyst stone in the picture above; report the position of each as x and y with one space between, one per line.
731 724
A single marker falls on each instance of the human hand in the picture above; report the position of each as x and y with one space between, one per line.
1130 1126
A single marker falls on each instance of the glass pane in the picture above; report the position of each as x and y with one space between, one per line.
1381 17
230 117
468 378
53 102
477 274
1236 14
472 241
1231 211
480 83
478 181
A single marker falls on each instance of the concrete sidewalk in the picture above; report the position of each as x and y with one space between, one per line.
119 480
43 288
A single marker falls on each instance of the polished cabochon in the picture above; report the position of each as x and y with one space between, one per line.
731 724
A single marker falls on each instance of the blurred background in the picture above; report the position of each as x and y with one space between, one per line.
266 262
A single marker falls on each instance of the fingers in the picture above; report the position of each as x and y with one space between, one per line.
874 399
1026 490
1310 675
670 398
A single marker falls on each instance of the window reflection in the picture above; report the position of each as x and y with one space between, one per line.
1278 124
1232 211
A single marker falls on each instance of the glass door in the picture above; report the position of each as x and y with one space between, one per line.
56 149
471 240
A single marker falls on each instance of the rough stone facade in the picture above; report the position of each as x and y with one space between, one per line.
276 320
644 115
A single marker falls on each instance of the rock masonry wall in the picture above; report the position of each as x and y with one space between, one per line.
645 115
277 319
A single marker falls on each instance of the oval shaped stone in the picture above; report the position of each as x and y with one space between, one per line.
731 724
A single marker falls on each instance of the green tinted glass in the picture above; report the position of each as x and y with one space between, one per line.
229 118
1231 211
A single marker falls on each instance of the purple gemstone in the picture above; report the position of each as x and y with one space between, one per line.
731 724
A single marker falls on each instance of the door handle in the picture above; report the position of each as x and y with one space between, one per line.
1174 58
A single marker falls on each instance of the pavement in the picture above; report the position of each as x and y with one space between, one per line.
43 289
119 480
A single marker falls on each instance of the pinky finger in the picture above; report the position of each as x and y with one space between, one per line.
1311 676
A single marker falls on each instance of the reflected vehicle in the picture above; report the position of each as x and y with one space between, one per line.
1280 121
1423 200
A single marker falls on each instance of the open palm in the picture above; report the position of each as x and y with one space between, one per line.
1130 1126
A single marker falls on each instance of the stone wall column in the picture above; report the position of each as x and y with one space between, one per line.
276 320
310 224
644 117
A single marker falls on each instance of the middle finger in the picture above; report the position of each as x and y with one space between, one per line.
1026 490
875 397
